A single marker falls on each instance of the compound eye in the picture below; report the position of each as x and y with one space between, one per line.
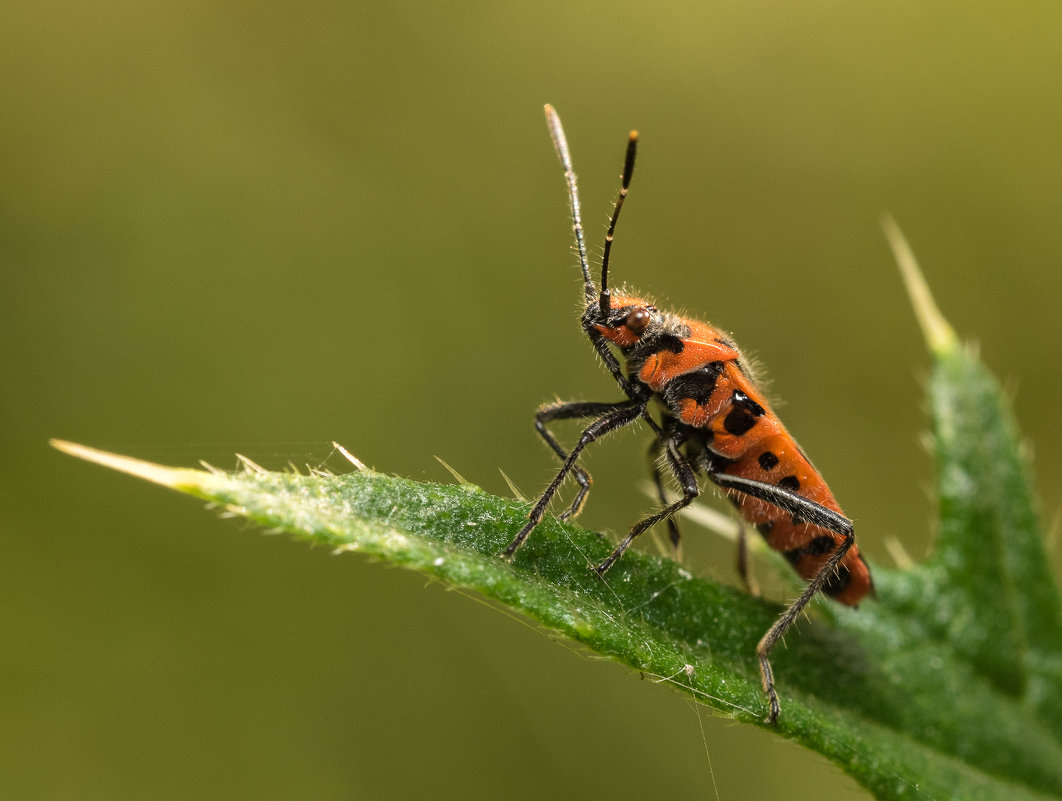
638 320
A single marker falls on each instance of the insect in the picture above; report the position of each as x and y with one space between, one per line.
714 421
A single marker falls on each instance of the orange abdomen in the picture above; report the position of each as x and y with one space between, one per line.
721 398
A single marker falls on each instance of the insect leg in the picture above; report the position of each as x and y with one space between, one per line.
656 449
686 477
809 512
797 505
620 414
567 411
634 391
781 626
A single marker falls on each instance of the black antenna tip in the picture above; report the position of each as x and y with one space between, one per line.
628 164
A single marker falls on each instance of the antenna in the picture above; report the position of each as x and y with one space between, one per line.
560 144
625 182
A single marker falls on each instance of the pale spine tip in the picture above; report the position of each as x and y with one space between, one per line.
939 335
159 474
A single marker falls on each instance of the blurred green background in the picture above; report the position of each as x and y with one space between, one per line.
256 228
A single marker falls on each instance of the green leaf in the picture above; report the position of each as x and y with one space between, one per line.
948 685
884 695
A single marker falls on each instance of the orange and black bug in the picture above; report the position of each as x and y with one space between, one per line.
714 421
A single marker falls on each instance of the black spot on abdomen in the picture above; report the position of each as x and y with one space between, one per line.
816 547
738 421
767 460
742 415
838 582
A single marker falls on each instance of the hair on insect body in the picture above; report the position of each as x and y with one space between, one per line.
714 422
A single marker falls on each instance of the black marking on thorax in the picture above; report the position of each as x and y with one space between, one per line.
666 337
697 386
726 343
670 336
